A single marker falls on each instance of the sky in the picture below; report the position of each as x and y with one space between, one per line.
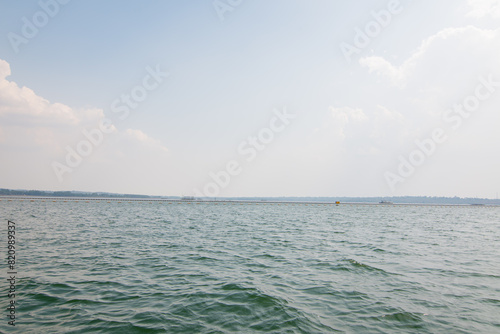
222 98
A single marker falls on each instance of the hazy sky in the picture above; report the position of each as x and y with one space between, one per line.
251 98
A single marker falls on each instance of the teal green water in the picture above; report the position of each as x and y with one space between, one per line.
146 267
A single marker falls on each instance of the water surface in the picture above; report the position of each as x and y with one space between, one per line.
155 267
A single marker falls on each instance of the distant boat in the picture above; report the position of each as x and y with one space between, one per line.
385 202
187 198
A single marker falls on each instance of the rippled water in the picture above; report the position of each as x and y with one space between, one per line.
144 267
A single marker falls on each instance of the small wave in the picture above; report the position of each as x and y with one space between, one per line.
45 298
365 267
202 258
235 307
102 324
351 295
404 316
491 301
464 274
399 319
84 302
349 265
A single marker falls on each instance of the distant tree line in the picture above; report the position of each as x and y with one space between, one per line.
11 192
395 199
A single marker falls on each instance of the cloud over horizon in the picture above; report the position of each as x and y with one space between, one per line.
35 132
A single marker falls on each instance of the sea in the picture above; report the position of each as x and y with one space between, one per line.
100 266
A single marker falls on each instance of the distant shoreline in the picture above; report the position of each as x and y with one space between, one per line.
220 201
72 195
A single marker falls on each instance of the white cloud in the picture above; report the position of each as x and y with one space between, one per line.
35 132
143 138
4 69
22 105
349 114
384 113
342 117
482 8
444 55
443 71
381 66
369 132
